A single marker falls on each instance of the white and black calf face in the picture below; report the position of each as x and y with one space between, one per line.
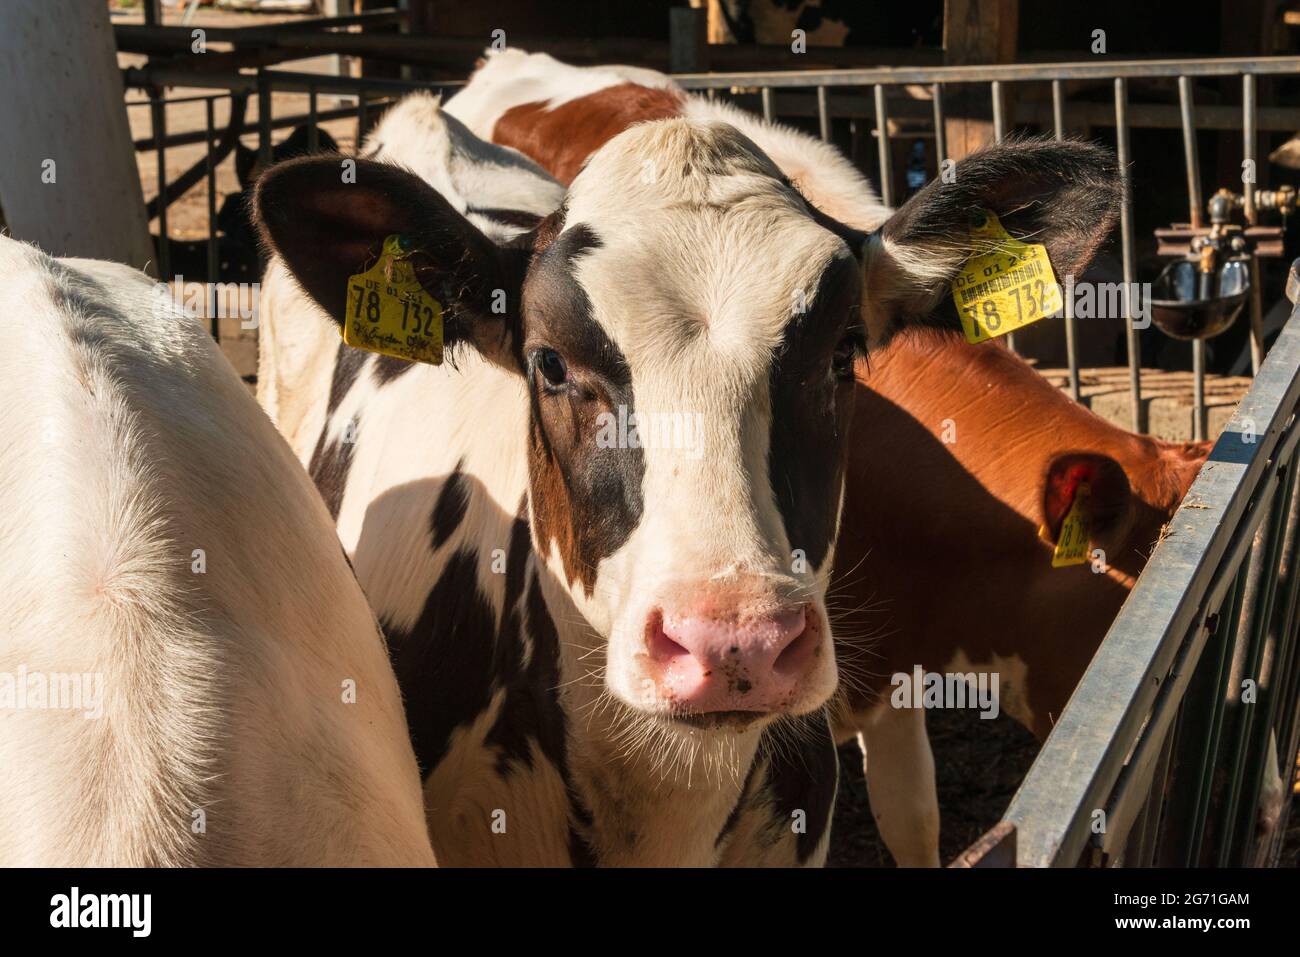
688 332
686 326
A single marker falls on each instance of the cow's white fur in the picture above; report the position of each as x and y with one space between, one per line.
674 284
513 77
130 443
656 795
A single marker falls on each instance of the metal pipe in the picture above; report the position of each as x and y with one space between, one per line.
767 104
1198 389
940 135
999 132
1071 330
158 120
1248 137
999 111
213 262
313 132
882 147
1126 239
263 119
824 114
1190 158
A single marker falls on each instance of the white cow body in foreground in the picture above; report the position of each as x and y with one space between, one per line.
181 628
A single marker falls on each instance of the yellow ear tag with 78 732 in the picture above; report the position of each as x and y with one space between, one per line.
389 311
1005 285
1072 543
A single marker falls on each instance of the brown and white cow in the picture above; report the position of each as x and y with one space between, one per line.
955 500
189 672
959 454
616 651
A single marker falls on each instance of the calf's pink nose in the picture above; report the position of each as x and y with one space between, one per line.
740 662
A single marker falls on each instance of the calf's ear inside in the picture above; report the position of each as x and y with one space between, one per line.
1063 195
327 229
1109 502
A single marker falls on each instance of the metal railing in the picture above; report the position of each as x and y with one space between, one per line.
1000 78
834 87
1161 755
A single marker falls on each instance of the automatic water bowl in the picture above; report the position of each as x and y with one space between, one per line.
1187 303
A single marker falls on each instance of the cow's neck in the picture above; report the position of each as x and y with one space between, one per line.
647 802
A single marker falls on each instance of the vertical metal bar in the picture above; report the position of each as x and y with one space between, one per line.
1071 331
824 114
158 120
999 112
940 136
1248 141
1058 110
1189 151
313 134
999 133
213 278
768 113
263 119
1198 389
1225 636
361 118
882 147
1193 168
1126 238
1256 610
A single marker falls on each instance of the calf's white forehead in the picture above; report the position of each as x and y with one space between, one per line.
705 253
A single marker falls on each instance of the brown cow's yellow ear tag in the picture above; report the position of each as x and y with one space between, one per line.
388 310
1072 543
1005 285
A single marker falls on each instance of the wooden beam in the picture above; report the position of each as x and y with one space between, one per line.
975 32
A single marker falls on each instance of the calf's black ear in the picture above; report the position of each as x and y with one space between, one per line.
328 217
1063 195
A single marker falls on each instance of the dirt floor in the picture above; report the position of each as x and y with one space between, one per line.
979 763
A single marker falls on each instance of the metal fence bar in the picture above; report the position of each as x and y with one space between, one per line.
263 119
768 113
823 114
999 133
313 133
940 134
1126 240
213 259
1071 330
1083 757
1192 163
1249 139
158 122
986 73
882 146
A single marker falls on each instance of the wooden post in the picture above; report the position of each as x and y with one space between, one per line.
974 32
68 175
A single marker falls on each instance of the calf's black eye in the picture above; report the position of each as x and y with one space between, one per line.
552 367
846 352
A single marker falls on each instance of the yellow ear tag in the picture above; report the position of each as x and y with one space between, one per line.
388 310
1072 543
1005 285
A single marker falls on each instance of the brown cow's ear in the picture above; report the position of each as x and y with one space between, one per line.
1063 195
1108 499
328 217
